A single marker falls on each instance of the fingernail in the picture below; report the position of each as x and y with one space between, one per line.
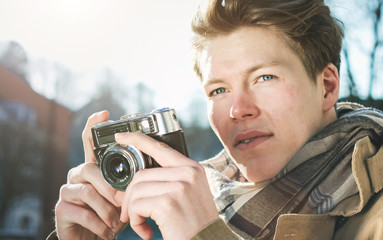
120 135
100 113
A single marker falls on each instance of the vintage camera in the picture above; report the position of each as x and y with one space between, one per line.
119 163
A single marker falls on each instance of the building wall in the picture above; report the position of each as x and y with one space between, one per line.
54 120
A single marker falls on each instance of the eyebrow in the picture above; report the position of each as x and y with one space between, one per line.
211 81
259 66
248 71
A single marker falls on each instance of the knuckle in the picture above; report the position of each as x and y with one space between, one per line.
110 217
194 172
87 191
63 189
58 208
167 202
104 231
86 216
199 168
139 174
181 187
61 209
86 168
79 171
70 174
135 187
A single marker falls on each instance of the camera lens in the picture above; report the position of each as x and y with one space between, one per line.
119 165
119 168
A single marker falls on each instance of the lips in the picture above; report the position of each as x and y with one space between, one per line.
246 140
251 139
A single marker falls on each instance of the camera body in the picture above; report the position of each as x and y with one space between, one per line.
119 163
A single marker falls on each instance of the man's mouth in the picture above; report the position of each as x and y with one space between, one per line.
246 140
251 139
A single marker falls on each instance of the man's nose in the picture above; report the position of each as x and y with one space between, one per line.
243 107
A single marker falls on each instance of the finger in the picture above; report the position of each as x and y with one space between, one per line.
161 152
184 174
87 195
90 173
87 134
143 190
143 229
73 214
142 209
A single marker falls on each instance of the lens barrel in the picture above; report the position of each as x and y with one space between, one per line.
120 163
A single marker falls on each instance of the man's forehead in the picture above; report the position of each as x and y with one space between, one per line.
215 66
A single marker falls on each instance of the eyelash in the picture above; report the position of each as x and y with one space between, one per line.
259 79
265 80
215 91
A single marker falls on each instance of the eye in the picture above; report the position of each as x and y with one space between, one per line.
265 78
217 91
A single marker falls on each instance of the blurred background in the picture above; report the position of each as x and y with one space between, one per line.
62 60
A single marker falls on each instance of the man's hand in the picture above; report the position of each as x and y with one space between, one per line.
177 196
86 208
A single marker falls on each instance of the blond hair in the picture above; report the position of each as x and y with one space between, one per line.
306 25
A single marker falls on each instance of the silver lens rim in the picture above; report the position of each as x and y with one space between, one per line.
134 160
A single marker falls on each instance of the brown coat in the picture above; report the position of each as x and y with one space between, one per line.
358 217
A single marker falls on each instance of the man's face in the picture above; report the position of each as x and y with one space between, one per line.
262 104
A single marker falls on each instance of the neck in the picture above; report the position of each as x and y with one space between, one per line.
329 117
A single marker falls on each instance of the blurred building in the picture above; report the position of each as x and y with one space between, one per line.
34 150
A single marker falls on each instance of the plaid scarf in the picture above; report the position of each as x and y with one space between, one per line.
314 181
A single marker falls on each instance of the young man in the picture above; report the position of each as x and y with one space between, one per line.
295 165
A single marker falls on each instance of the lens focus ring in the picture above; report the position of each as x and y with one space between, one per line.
119 165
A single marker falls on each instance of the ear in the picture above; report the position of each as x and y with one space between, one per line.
330 80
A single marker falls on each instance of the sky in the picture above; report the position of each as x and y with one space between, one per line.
140 40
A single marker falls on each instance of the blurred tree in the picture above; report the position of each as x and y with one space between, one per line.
196 114
65 87
374 10
55 81
14 57
201 140
362 48
132 97
143 97
109 82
